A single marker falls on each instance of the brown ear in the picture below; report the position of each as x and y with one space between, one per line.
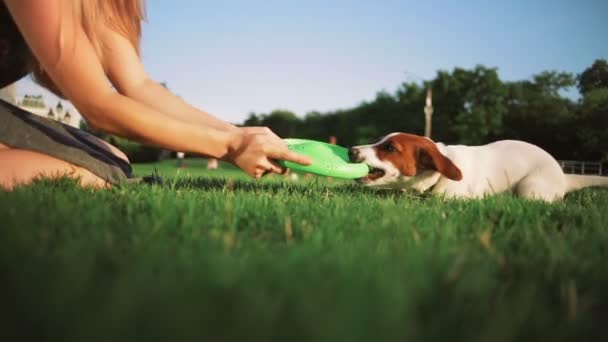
429 157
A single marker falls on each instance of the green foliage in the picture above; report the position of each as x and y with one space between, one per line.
136 152
594 77
550 83
252 120
283 122
537 113
593 123
365 134
471 107
227 259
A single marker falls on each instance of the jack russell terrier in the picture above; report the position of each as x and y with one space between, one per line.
407 161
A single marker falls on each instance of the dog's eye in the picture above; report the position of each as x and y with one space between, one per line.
389 148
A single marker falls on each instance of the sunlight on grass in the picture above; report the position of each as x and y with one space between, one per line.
221 257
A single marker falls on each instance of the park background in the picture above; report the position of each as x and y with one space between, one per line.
357 70
214 255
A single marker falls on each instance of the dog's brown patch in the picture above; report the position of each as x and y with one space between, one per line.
412 154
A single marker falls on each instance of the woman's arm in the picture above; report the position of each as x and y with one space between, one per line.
61 46
126 72
63 49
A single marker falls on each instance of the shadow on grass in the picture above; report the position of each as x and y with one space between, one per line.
279 186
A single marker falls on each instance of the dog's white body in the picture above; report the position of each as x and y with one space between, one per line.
502 166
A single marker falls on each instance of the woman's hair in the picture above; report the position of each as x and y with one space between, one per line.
123 16
16 59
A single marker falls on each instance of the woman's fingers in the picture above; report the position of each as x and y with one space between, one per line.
267 167
277 150
287 155
259 173
276 168
258 150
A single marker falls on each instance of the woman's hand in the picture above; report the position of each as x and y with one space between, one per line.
255 149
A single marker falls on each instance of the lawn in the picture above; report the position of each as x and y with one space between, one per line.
214 256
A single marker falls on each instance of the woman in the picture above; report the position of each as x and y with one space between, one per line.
73 48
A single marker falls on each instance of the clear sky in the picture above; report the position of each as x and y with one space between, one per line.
233 57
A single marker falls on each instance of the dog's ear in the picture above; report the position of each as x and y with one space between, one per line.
429 157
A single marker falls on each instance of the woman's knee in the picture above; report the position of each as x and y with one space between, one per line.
21 167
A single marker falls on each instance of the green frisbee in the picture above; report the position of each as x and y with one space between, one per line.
327 159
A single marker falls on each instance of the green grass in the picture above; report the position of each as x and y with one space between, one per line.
202 257
191 168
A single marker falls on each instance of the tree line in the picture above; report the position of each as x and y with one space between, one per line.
473 106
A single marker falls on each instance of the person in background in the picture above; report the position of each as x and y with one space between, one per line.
213 164
180 159
87 51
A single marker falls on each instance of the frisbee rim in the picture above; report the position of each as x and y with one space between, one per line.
346 169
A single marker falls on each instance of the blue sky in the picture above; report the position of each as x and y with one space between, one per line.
235 57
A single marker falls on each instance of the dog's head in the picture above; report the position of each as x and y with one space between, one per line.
401 157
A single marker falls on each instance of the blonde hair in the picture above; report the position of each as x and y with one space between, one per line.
122 16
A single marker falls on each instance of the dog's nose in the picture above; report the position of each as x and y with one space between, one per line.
353 154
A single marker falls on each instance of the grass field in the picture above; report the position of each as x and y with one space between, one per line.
213 256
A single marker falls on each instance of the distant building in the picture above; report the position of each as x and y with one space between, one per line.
67 117
9 93
35 104
61 114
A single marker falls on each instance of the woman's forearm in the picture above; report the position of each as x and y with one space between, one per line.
158 97
122 116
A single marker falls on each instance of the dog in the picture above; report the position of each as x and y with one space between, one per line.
407 161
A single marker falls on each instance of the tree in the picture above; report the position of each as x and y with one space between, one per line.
83 125
537 113
366 134
469 105
550 83
411 98
594 77
283 122
312 126
592 123
252 120
472 106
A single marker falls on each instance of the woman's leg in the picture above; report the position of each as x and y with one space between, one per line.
20 167
23 166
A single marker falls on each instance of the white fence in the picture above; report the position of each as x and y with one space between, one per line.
581 167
